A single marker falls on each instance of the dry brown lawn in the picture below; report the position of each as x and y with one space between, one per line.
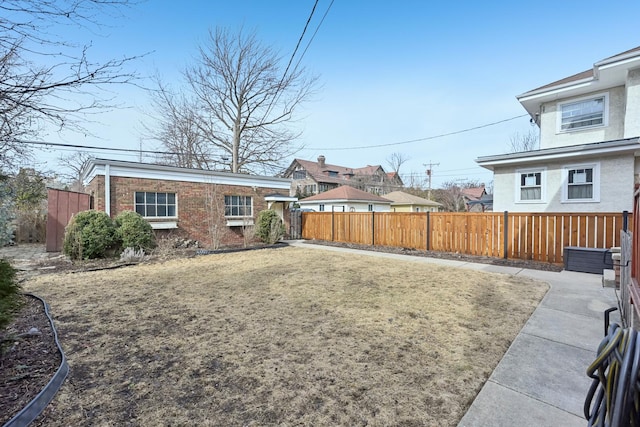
282 337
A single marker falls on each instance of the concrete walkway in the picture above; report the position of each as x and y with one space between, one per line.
27 256
541 380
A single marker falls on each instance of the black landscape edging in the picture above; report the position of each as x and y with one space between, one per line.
29 413
232 250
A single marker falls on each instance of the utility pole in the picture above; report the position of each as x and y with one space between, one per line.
429 172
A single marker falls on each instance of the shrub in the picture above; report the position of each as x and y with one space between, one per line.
134 231
270 228
10 300
90 234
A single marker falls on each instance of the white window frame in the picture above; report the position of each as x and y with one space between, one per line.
230 206
543 185
370 207
605 113
166 205
595 182
321 207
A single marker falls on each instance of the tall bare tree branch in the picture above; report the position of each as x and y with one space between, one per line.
243 104
46 78
523 142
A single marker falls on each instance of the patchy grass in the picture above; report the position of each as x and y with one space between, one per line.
280 337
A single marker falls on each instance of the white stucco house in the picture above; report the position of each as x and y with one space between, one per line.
589 144
346 199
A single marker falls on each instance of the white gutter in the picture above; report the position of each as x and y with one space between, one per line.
107 188
578 84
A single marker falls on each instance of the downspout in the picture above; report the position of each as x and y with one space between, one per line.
107 189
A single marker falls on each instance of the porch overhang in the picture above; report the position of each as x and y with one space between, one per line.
620 146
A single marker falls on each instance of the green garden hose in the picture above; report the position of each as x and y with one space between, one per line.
613 400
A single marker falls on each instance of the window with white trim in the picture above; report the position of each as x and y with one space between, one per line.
321 207
583 113
151 204
530 185
238 206
581 183
370 208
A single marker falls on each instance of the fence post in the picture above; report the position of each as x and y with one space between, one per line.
373 228
428 231
506 235
625 220
332 225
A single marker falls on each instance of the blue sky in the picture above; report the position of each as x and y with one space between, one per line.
390 71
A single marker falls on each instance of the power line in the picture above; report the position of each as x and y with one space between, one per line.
123 151
93 147
299 41
442 135
276 95
314 34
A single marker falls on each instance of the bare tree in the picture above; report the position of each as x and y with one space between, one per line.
451 195
396 160
414 183
216 223
46 78
178 130
523 142
73 166
243 100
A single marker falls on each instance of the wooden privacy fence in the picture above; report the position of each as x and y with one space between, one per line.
531 236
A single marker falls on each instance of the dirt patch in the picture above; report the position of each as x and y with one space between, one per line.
289 336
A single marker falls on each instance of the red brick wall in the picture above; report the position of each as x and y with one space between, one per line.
194 200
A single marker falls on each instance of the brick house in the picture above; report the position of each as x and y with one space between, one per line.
213 208
309 178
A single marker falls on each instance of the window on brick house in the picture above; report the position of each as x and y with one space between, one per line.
155 205
238 206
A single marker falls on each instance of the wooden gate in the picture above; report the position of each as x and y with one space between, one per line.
61 206
295 228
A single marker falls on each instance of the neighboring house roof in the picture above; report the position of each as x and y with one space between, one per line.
395 176
474 193
320 171
609 72
344 194
629 145
402 198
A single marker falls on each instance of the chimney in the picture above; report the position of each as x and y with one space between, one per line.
321 161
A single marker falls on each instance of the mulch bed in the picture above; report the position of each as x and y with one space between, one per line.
27 363
517 263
